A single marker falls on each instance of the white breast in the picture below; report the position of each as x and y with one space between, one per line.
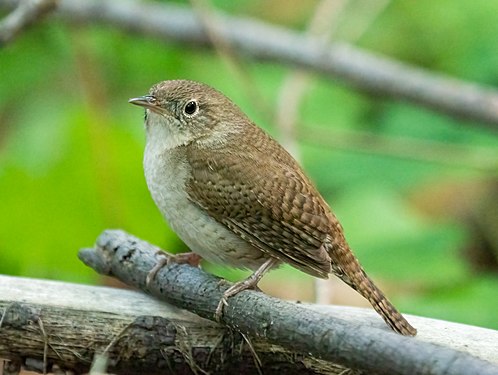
166 173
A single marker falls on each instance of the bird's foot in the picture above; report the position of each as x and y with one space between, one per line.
183 258
236 288
250 283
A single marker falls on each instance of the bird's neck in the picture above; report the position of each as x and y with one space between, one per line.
161 136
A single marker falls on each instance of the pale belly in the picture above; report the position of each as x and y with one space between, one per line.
166 178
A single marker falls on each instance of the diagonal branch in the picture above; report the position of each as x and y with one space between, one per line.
26 13
366 71
292 326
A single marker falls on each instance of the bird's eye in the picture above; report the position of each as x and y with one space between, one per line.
191 108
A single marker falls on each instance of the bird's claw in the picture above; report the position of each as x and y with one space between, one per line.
219 310
165 259
162 261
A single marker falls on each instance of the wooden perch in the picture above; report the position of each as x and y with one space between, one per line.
368 347
366 71
67 324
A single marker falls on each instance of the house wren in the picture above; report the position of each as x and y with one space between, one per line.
237 198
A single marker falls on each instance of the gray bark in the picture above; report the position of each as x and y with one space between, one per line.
49 325
293 326
27 13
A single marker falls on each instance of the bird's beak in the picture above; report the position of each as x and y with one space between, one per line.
146 101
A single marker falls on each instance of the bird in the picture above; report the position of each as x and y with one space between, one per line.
236 197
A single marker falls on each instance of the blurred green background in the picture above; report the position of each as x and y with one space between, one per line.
71 150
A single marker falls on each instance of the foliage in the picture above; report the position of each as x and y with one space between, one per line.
71 147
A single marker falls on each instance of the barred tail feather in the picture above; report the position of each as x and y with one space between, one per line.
353 274
389 313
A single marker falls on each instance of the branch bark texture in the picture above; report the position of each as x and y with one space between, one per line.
366 71
70 324
290 325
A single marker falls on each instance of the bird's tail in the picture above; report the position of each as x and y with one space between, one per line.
353 274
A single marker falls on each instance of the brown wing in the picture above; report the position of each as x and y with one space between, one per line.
265 200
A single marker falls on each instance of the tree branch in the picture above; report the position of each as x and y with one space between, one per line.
26 13
136 333
293 326
366 71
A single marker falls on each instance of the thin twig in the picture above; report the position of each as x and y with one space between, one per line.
257 360
229 55
371 11
45 344
322 25
4 313
478 158
100 361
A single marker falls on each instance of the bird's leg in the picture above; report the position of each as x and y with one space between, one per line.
183 258
249 283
